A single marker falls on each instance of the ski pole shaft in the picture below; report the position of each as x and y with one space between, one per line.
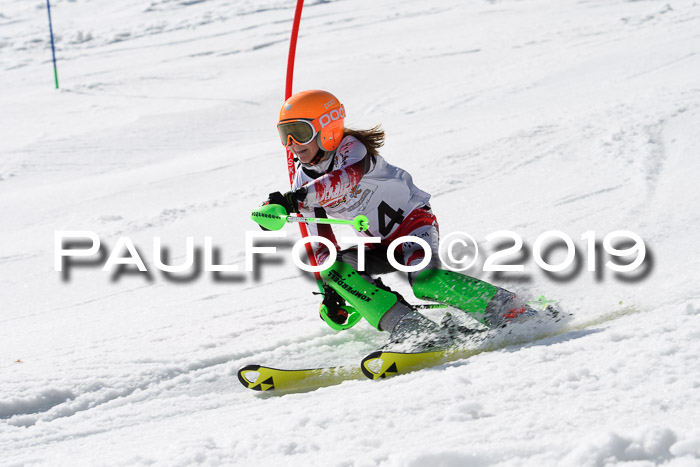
430 307
274 216
360 223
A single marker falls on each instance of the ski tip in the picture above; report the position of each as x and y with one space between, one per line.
245 381
367 361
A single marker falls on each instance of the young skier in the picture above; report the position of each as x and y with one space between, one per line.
342 175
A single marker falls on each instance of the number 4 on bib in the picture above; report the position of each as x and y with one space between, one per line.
395 217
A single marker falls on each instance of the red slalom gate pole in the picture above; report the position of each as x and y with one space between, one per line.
354 316
290 157
293 49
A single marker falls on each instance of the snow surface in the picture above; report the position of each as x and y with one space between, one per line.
525 115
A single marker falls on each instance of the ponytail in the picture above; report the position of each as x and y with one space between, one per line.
373 138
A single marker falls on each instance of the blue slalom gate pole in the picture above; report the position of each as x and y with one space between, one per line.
53 49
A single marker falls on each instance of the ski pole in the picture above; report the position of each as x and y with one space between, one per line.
359 223
274 216
431 306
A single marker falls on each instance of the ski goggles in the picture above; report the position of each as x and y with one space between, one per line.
300 131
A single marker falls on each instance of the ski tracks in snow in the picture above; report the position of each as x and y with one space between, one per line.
514 114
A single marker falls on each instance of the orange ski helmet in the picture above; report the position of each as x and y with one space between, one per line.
312 114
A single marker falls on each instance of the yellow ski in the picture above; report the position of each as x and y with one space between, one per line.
262 378
379 364
384 364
